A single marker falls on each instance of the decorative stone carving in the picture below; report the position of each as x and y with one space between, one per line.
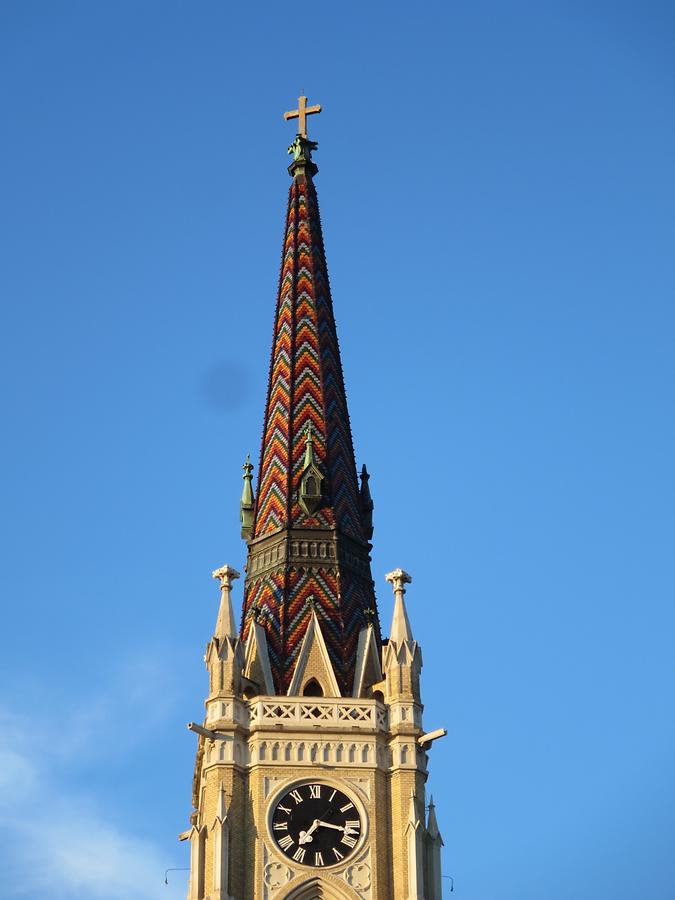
358 876
276 875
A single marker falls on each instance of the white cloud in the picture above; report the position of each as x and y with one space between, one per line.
56 840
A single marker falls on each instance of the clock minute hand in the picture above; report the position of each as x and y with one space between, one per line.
328 825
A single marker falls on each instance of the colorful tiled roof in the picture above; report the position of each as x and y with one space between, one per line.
306 400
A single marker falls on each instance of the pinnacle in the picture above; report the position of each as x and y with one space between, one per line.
401 630
225 627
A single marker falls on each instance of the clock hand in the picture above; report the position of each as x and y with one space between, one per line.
306 836
328 825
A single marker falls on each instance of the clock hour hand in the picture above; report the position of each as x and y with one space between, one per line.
306 836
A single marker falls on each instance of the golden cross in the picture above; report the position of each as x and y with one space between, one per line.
301 114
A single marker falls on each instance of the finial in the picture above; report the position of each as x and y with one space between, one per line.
398 578
369 615
302 147
247 504
301 114
311 601
400 625
226 575
225 627
367 504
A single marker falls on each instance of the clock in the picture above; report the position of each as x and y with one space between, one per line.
315 825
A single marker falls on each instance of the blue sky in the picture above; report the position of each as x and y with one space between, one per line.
497 195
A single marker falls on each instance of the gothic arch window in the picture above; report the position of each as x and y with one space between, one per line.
312 689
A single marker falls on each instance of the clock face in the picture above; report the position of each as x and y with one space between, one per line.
316 825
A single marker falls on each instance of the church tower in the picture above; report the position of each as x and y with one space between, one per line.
312 759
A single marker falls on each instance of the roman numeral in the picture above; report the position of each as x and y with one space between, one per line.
352 825
315 792
348 840
286 842
337 853
346 807
318 859
299 854
285 809
280 826
296 796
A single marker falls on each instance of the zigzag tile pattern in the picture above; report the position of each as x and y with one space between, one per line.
306 385
265 597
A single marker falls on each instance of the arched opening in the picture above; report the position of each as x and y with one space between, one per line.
312 689
310 486
379 696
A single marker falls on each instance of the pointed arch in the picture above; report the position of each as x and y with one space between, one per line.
312 688
320 887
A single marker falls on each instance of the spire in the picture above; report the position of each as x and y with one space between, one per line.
308 519
432 822
400 624
434 842
225 627
247 504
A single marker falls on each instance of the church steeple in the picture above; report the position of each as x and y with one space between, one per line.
310 529
311 761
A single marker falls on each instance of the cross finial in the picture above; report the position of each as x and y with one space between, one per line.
301 114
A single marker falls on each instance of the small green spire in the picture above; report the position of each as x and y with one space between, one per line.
309 446
367 504
247 504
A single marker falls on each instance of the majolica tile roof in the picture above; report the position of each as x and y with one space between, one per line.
306 393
